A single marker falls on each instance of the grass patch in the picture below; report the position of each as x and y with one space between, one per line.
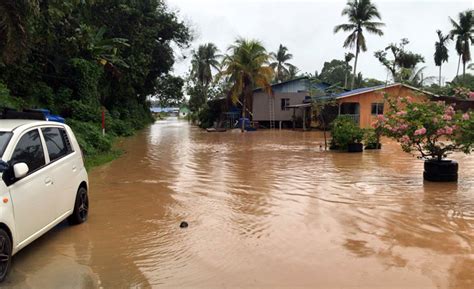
95 160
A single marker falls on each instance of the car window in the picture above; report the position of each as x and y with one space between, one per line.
57 142
4 139
29 150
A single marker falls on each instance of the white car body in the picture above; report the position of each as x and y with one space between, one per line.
37 202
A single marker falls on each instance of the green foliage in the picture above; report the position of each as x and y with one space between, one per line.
335 72
90 138
371 137
6 100
78 57
345 131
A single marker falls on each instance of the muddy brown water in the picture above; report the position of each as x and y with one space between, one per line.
266 209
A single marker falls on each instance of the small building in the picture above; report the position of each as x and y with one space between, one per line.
270 111
364 104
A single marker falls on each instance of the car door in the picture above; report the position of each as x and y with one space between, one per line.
62 167
33 205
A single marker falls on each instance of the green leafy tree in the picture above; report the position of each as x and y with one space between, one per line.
335 72
347 58
360 14
247 67
441 51
402 64
463 32
280 63
14 15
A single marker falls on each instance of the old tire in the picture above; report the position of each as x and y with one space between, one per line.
81 207
441 171
355 147
5 254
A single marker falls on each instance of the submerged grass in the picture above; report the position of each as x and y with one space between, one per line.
96 160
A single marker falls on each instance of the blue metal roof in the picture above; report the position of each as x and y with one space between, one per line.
361 90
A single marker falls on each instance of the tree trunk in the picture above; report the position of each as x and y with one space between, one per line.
463 70
459 64
345 76
355 67
243 113
440 75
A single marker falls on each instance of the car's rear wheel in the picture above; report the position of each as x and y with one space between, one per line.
5 254
81 207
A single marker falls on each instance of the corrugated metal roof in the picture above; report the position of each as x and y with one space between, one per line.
378 87
361 90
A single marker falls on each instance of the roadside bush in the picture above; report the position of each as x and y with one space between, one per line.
6 100
345 131
90 138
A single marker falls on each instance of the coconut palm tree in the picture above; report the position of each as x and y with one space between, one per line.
247 67
441 51
203 60
347 58
463 31
360 14
280 64
13 27
292 72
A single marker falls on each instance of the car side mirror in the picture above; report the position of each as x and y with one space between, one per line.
20 170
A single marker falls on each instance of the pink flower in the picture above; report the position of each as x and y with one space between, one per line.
447 117
405 139
420 131
449 111
409 99
381 117
448 130
402 112
440 131
465 116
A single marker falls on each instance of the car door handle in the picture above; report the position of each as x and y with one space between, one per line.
74 168
48 181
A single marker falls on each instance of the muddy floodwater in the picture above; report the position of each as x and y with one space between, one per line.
266 209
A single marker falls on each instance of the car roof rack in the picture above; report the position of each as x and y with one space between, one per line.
10 113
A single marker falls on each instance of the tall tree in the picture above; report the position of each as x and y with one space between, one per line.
441 52
204 59
463 31
13 27
347 58
247 67
403 63
280 64
360 14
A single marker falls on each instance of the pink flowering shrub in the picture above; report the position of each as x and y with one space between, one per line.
434 129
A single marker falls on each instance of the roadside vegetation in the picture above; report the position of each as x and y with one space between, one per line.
78 58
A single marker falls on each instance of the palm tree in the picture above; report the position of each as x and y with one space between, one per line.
463 32
204 59
347 58
247 67
292 72
360 14
280 64
441 51
13 27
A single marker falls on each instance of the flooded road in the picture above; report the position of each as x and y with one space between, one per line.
265 210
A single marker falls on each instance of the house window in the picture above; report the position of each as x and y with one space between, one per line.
284 103
377 108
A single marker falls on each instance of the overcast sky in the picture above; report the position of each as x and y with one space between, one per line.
306 28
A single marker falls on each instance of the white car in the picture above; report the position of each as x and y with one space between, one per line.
43 181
